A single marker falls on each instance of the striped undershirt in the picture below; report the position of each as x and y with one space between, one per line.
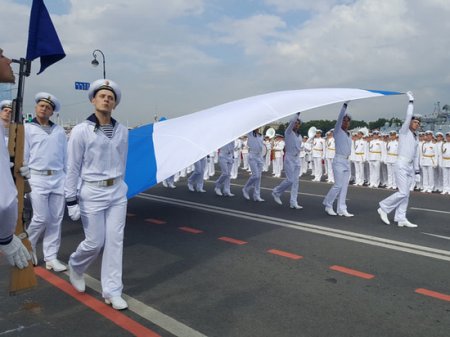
107 129
46 128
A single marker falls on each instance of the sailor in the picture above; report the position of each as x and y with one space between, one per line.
428 161
359 157
196 179
237 158
330 150
244 152
267 154
278 154
376 149
438 170
10 245
419 184
226 160
46 154
256 162
341 166
169 182
445 164
5 117
303 156
97 153
318 148
391 158
292 164
406 170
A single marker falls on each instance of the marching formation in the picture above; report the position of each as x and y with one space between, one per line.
85 171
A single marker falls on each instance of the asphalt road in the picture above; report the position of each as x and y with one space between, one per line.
196 264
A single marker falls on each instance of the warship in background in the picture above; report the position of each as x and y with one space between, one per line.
437 121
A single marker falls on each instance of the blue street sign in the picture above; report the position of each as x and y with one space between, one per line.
82 85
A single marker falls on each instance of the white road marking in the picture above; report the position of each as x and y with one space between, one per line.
351 236
429 210
437 236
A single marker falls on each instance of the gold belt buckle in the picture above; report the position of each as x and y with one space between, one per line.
109 182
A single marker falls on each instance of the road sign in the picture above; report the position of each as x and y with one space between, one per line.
82 85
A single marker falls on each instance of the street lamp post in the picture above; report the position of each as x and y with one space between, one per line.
95 63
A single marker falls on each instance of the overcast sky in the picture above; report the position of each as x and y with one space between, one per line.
175 57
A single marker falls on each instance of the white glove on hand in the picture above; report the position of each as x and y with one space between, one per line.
410 96
417 178
25 172
74 212
16 253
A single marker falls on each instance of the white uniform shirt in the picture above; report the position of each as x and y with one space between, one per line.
45 151
330 148
429 154
318 148
408 141
376 149
445 155
8 194
392 151
93 156
341 137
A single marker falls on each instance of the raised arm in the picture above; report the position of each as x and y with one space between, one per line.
409 113
292 121
341 117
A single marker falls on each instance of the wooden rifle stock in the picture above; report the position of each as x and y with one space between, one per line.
21 279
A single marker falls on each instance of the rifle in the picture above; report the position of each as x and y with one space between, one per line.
21 279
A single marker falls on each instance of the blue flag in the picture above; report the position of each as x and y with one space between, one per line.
43 40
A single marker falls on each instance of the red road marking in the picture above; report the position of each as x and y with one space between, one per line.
352 272
190 230
103 309
156 221
231 240
434 294
285 254
131 214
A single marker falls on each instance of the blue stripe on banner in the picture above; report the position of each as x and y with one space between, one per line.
141 162
386 93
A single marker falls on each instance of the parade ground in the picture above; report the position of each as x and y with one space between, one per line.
196 264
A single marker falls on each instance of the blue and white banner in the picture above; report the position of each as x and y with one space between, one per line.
159 150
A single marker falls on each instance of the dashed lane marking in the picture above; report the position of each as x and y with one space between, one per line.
155 221
433 294
285 254
429 210
437 236
190 230
233 241
337 233
352 272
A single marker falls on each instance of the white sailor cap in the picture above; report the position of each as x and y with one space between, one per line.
439 134
392 132
107 85
421 133
48 98
417 117
429 132
447 133
318 131
375 132
6 103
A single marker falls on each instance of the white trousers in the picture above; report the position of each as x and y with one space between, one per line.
196 177
359 172
329 162
318 169
374 173
223 182
428 178
254 181
446 179
390 175
292 171
103 214
341 168
404 178
47 199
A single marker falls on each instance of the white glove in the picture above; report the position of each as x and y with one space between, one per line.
16 253
410 96
417 178
74 212
25 172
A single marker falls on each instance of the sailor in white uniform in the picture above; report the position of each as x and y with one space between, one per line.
256 162
196 179
226 160
10 245
46 155
391 159
318 149
292 164
5 117
428 162
406 170
445 164
97 153
341 166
